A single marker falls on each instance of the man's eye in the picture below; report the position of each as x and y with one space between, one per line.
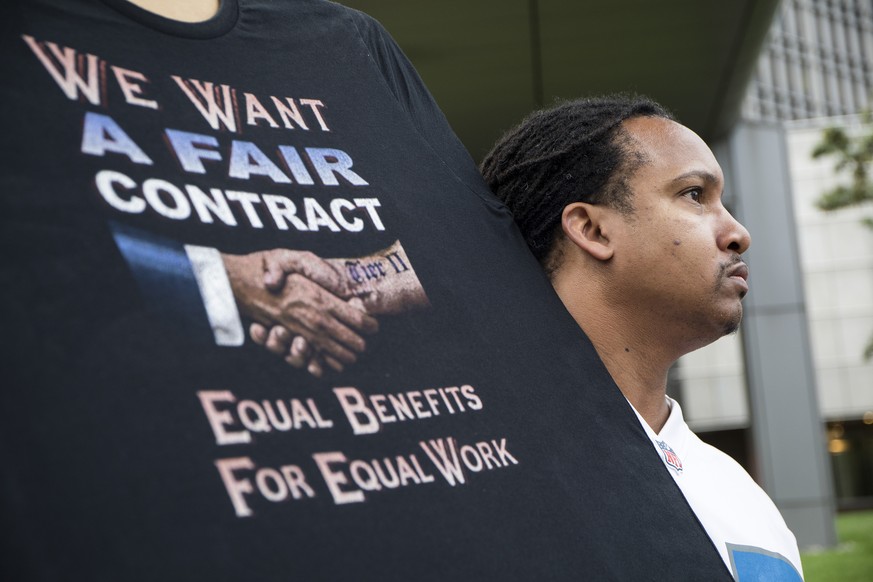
694 194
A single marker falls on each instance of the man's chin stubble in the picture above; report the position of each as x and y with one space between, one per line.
733 324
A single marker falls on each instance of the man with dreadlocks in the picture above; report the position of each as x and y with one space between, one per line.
622 206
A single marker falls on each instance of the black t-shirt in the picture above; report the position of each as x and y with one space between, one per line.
145 435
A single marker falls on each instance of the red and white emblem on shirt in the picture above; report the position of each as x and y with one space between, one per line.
670 456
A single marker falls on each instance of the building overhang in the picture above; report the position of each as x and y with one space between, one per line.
490 62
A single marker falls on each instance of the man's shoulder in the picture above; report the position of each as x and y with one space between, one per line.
723 470
716 458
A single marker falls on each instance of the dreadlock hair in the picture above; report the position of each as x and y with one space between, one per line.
576 151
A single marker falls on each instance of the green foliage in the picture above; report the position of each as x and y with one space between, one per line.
852 559
833 140
842 196
853 154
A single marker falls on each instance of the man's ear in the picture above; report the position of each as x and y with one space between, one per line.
584 225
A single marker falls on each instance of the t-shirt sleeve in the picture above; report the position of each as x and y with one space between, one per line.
414 98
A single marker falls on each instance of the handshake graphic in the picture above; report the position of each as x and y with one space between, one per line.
311 311
314 312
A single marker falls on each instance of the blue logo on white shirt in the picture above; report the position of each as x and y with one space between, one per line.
751 564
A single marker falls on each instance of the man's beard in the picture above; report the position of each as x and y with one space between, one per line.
732 325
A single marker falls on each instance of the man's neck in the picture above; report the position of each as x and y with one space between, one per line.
637 356
183 11
639 371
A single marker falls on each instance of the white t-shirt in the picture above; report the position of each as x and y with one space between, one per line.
742 521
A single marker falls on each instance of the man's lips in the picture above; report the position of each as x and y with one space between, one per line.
740 274
740 270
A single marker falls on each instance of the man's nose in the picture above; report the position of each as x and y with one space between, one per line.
734 236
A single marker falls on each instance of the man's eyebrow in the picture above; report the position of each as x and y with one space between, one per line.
707 177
